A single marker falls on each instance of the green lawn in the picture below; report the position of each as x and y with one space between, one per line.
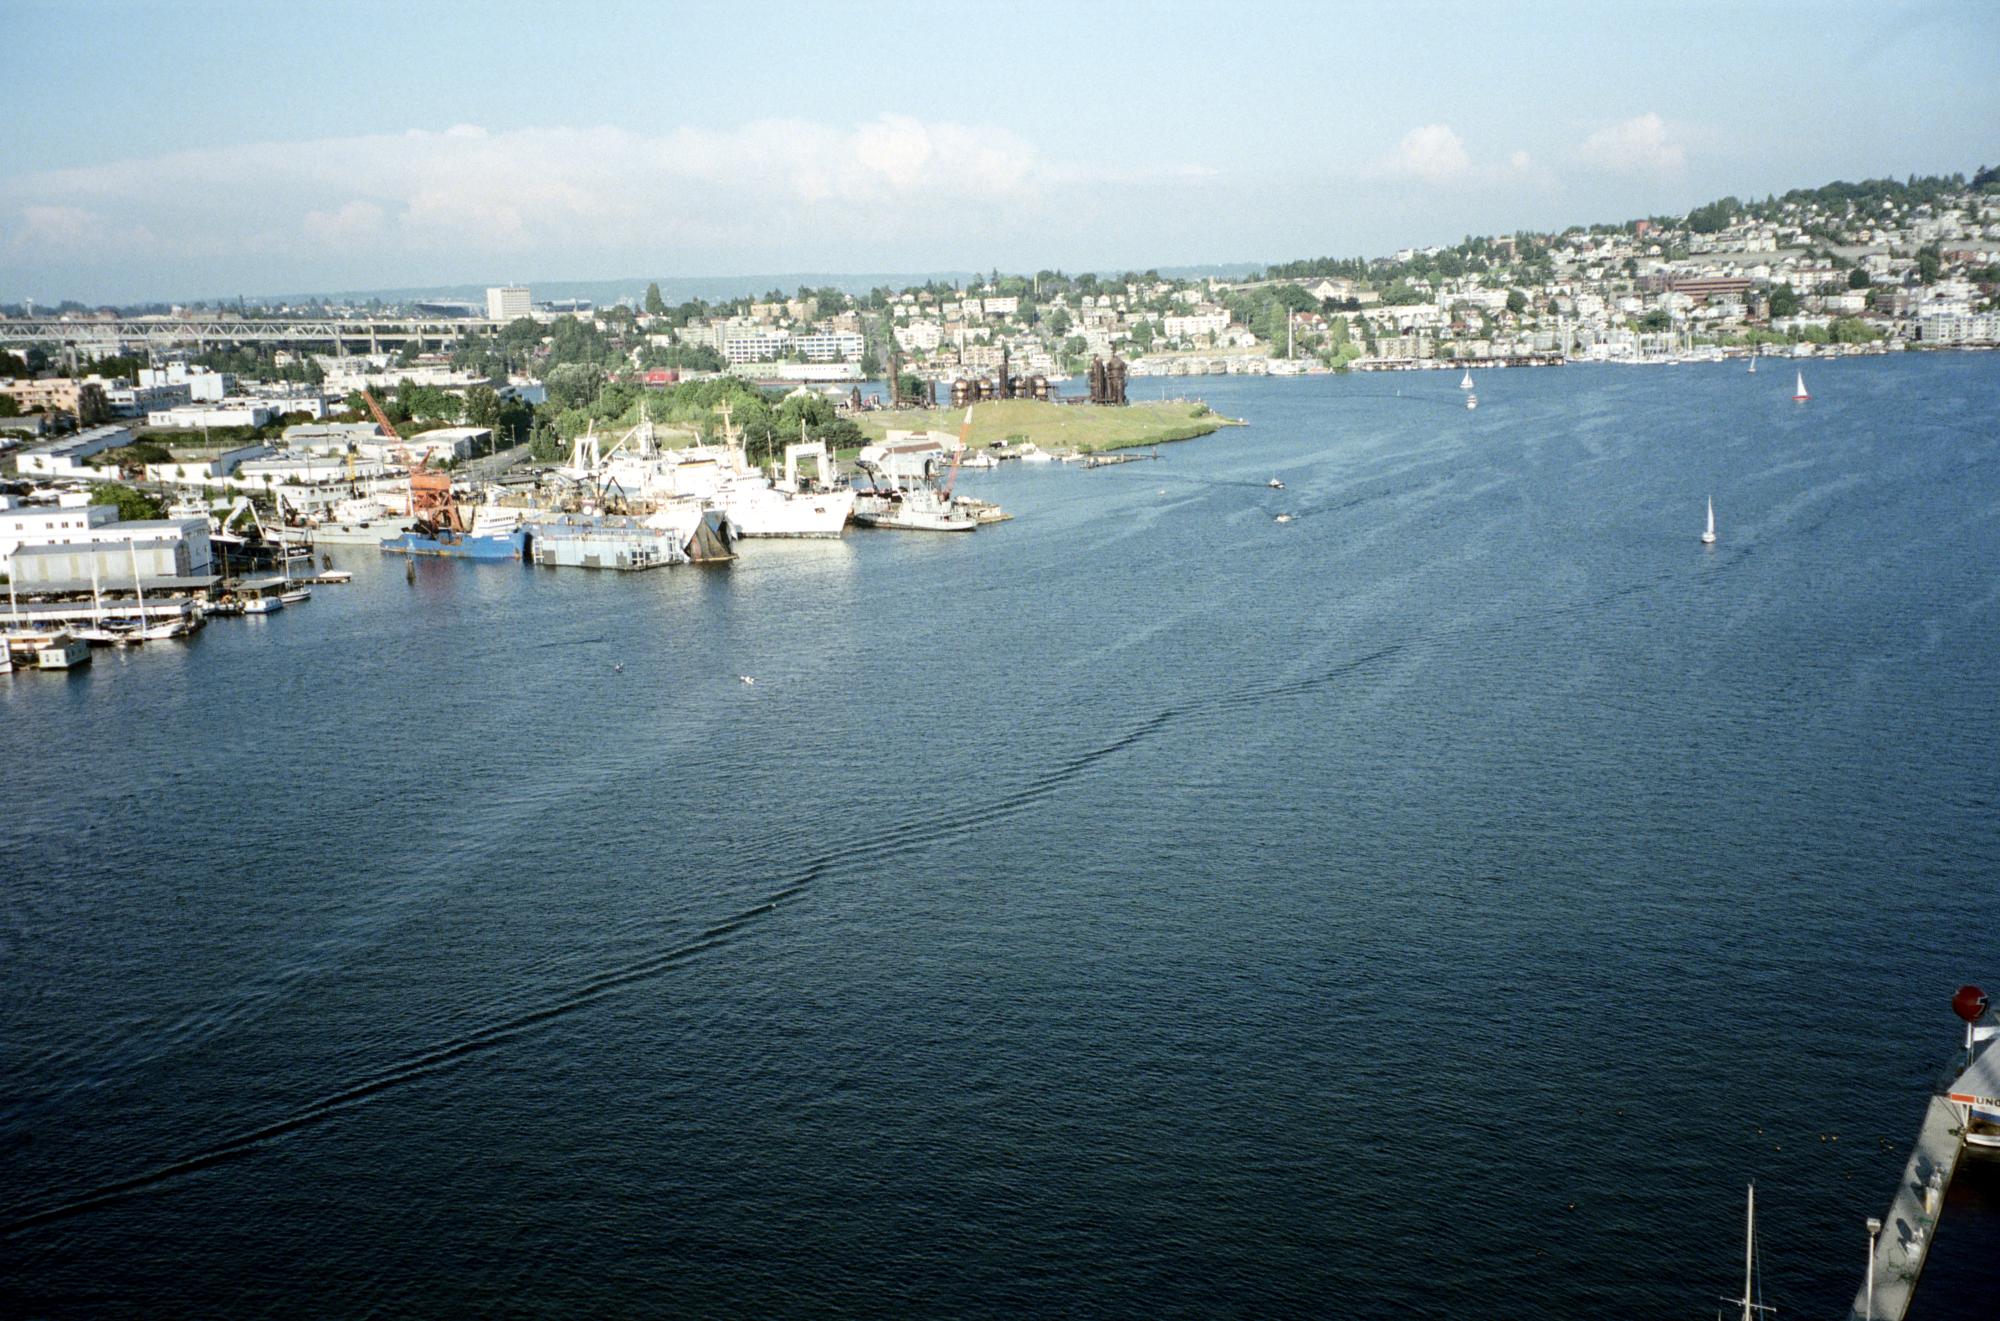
1057 427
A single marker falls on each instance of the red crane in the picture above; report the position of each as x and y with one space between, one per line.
964 439
381 418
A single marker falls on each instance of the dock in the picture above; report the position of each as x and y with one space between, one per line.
1907 1230
59 614
603 542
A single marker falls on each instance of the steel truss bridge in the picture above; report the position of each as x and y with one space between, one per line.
341 335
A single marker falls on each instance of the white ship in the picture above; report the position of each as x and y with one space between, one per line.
797 506
905 492
919 509
679 485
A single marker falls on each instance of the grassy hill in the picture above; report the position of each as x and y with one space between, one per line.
1057 427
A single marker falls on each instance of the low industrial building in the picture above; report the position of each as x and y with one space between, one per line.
44 534
330 437
444 443
194 467
228 413
68 523
159 554
64 457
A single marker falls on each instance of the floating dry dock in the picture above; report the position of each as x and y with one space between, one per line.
604 542
1962 1123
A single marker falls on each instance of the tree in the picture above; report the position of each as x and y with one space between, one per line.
1784 301
1857 278
1294 299
1930 263
8 408
655 305
132 505
572 385
482 408
1517 302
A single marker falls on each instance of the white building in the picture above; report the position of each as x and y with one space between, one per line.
828 345
1211 321
162 552
919 337
740 346
139 400
68 523
443 443
201 384
1960 328
228 413
189 469
64 457
819 371
329 437
508 303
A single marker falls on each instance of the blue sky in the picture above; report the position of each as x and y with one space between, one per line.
202 149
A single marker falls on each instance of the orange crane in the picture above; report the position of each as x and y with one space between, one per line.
431 505
381 418
964 439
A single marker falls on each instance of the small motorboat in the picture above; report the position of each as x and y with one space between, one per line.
1275 484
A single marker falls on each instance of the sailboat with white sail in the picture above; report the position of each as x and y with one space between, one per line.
1708 537
1465 381
1799 394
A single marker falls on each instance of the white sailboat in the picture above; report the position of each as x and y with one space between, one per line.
95 631
1753 363
1799 394
144 630
1708 537
1465 381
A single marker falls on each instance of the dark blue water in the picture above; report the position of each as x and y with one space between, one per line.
1442 904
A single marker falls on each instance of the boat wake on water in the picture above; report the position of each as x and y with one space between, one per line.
907 837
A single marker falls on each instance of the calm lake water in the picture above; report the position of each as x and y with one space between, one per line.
1439 905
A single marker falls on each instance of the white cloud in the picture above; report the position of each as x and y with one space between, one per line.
353 220
1519 161
1431 152
779 187
1640 145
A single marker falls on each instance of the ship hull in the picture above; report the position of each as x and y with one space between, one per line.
460 546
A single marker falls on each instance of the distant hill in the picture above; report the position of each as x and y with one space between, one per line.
712 288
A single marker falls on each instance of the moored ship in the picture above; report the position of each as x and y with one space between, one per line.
440 527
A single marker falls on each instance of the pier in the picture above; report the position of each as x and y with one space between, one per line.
1905 1237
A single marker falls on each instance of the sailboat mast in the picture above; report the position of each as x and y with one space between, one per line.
1749 1250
